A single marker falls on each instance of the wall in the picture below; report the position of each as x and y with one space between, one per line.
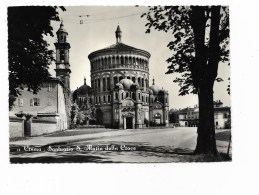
16 127
62 107
183 123
39 127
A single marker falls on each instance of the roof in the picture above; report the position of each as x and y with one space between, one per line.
83 90
62 29
119 47
226 108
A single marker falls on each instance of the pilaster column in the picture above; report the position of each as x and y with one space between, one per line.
120 118
124 122
138 122
101 84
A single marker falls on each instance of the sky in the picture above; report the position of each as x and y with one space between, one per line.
98 31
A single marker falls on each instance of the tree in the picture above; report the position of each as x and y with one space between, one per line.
73 115
80 118
29 56
90 113
200 42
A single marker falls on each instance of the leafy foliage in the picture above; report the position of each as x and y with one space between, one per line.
191 29
21 114
200 41
90 112
29 56
80 118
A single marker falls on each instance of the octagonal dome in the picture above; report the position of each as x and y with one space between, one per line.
119 85
127 83
84 89
155 89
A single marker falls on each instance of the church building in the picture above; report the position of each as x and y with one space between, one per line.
121 88
50 107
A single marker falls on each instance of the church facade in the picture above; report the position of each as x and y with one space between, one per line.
121 88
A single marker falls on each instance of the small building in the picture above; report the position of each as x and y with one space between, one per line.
222 117
189 117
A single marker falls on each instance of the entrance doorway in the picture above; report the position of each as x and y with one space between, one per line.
27 127
129 123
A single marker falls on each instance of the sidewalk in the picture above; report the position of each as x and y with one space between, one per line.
50 140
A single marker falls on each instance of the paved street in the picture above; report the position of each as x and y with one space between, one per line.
142 145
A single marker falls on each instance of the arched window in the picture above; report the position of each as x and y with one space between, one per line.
108 84
62 55
99 84
116 96
139 80
104 98
113 60
133 96
115 80
104 84
122 96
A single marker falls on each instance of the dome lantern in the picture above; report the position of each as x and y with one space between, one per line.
118 34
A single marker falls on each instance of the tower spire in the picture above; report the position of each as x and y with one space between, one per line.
62 58
153 81
118 34
84 81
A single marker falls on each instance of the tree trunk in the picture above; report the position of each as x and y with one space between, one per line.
206 143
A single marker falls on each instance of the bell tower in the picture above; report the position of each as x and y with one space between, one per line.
62 58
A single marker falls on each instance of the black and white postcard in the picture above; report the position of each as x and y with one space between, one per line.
129 97
119 84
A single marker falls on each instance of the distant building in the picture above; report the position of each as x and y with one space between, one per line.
222 116
189 117
50 106
120 88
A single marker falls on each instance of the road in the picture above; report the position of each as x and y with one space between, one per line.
141 145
